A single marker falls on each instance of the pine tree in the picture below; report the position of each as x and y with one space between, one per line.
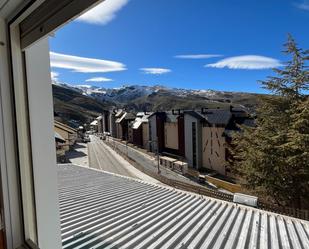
273 157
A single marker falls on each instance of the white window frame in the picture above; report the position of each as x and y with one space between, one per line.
28 164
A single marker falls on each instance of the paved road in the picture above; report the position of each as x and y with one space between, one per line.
148 162
102 157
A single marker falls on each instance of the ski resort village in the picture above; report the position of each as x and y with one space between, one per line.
141 124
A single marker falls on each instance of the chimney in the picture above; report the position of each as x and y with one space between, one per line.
203 110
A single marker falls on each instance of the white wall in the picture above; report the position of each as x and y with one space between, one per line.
43 144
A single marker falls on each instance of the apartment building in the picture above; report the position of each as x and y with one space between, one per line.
140 130
99 124
60 147
122 125
207 133
66 132
166 132
105 121
94 126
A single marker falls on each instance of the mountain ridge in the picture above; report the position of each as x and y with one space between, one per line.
89 101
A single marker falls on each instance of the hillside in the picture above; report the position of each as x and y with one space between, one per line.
151 98
72 106
83 103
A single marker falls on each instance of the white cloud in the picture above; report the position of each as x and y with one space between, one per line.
197 56
154 70
246 62
304 5
83 64
54 76
103 12
98 79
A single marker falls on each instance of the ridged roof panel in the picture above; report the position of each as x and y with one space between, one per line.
102 210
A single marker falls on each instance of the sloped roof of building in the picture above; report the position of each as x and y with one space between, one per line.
64 127
118 113
171 118
129 116
99 118
118 120
59 138
212 116
137 123
94 122
125 116
140 114
194 114
218 116
103 210
140 120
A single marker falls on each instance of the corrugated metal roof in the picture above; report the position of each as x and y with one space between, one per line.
102 210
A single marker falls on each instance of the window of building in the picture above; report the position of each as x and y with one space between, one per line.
194 143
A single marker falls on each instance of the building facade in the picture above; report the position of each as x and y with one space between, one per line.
140 130
166 133
66 132
207 135
193 137
122 125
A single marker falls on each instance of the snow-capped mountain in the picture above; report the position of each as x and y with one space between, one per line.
139 97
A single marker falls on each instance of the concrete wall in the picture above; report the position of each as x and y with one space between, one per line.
130 135
189 141
119 130
152 128
171 136
145 128
214 149
100 125
112 124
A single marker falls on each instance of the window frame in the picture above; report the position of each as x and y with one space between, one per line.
16 152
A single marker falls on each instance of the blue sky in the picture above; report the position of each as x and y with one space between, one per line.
198 44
